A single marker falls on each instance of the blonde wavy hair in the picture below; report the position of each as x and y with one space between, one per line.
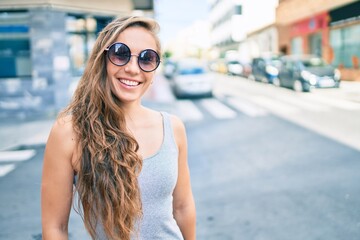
107 184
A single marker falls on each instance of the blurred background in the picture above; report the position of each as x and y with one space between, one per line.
269 91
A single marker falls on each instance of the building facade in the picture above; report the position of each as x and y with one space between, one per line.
227 25
233 20
44 46
327 28
263 40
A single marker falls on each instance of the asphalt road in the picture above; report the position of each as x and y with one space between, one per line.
257 172
267 178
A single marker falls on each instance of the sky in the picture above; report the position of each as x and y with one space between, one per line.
175 15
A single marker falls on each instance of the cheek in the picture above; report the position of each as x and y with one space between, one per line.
109 77
109 68
150 77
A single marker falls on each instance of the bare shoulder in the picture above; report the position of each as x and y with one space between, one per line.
177 123
63 127
62 138
179 129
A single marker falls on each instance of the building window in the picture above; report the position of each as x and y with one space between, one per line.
315 44
296 45
81 36
14 45
345 43
238 10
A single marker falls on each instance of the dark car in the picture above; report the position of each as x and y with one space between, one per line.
266 68
302 73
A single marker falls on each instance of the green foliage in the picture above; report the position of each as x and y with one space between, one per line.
167 54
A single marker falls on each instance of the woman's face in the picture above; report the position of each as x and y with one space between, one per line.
129 82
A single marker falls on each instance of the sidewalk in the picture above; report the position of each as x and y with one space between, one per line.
20 134
351 90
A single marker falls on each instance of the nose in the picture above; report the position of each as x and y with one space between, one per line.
132 66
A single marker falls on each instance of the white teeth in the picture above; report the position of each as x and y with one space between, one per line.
129 82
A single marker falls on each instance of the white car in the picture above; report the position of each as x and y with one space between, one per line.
192 79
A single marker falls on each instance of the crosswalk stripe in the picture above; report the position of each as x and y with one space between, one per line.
247 107
217 109
187 111
5 169
16 156
260 105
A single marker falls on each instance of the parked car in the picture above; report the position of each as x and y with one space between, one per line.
218 65
302 73
169 68
239 68
192 79
266 68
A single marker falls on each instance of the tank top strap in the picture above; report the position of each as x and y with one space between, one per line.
169 138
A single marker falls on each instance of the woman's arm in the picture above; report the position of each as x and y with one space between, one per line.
57 181
184 205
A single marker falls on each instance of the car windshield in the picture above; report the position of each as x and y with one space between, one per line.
314 62
190 67
274 61
191 70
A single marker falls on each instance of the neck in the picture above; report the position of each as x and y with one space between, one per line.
132 111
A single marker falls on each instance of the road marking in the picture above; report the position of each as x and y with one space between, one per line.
16 156
187 111
5 169
334 102
274 105
217 109
247 108
302 103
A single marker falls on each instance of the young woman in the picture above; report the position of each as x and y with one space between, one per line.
128 163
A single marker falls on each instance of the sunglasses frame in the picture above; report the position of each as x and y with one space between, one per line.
130 55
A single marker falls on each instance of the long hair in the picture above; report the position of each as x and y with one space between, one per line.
107 185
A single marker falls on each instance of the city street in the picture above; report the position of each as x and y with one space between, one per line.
266 163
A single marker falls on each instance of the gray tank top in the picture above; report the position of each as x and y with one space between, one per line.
157 181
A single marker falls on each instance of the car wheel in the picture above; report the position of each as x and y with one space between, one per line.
297 86
276 82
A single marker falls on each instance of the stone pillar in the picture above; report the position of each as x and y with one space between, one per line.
50 56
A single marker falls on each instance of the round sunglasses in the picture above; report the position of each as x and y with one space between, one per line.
119 54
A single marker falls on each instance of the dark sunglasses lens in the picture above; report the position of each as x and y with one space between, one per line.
119 54
149 60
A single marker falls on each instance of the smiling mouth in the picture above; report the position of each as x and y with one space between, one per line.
129 82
